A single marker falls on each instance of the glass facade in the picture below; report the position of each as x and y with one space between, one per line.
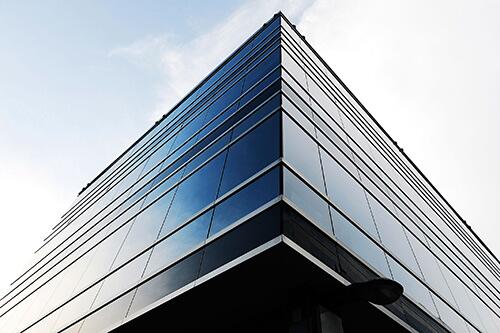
272 124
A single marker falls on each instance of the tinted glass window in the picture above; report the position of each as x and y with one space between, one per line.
359 243
194 193
412 287
251 153
179 243
166 282
262 68
111 314
260 113
246 200
392 235
307 201
241 239
347 194
145 228
215 147
302 153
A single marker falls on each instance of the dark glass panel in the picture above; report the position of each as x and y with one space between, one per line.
260 113
262 68
251 153
359 243
166 282
261 86
305 199
245 201
187 131
302 153
241 239
219 105
267 31
215 147
179 243
194 193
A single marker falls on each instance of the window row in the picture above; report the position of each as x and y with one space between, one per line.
369 151
234 88
199 187
202 90
411 260
206 242
329 121
218 119
265 35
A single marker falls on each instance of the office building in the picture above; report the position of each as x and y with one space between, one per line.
268 199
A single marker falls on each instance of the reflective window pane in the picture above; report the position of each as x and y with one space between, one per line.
166 282
245 201
194 193
347 194
359 243
253 152
179 243
307 201
302 153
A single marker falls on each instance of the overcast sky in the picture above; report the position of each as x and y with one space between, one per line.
80 82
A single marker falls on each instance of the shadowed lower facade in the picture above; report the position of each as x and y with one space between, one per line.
256 204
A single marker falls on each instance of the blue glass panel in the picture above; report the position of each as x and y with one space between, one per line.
179 243
269 28
215 147
219 105
245 201
262 68
260 113
273 76
194 193
252 153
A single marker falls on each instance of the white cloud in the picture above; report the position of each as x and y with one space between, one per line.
185 64
428 71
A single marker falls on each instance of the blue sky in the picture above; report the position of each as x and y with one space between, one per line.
81 80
